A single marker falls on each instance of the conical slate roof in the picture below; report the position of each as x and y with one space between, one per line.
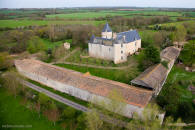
107 28
92 38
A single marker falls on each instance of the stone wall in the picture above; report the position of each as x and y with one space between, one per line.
101 51
117 53
77 92
107 35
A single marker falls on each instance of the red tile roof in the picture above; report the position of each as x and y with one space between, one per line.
99 86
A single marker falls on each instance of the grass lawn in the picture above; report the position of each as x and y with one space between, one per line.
13 113
18 23
124 76
79 57
50 44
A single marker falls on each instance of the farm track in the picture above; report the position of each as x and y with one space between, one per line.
94 66
73 104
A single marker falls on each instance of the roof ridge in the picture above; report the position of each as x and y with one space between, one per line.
157 66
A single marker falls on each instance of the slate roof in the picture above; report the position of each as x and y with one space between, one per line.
135 96
92 38
152 77
107 28
123 37
130 36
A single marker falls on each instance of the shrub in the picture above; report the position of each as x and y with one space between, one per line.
165 64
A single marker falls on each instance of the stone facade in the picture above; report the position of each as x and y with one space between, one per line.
114 46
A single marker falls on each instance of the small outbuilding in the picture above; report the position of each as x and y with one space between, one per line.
67 45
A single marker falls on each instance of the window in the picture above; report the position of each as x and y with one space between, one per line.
121 58
121 52
135 43
121 45
109 49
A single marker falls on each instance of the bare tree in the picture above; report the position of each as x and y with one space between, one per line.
52 113
93 120
38 107
11 81
111 108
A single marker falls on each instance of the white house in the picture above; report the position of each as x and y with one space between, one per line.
114 46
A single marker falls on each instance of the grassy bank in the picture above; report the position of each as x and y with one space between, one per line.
13 113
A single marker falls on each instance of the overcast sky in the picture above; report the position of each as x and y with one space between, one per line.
86 3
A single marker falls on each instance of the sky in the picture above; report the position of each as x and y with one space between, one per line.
88 3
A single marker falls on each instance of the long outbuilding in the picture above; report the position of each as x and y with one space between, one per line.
85 87
155 76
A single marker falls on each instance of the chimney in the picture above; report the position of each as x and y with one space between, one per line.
124 37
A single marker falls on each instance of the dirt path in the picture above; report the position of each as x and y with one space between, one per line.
94 66
62 61
67 56
73 104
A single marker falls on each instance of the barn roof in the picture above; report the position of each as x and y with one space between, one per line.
170 53
99 86
152 77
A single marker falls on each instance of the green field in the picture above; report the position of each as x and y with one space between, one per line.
13 113
174 23
83 15
113 13
19 23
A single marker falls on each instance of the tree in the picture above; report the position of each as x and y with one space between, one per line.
52 113
168 100
35 45
170 124
44 100
148 57
38 107
6 61
69 115
110 109
93 120
150 120
180 34
188 53
59 52
11 81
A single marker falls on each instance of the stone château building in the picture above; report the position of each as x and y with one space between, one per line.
114 46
